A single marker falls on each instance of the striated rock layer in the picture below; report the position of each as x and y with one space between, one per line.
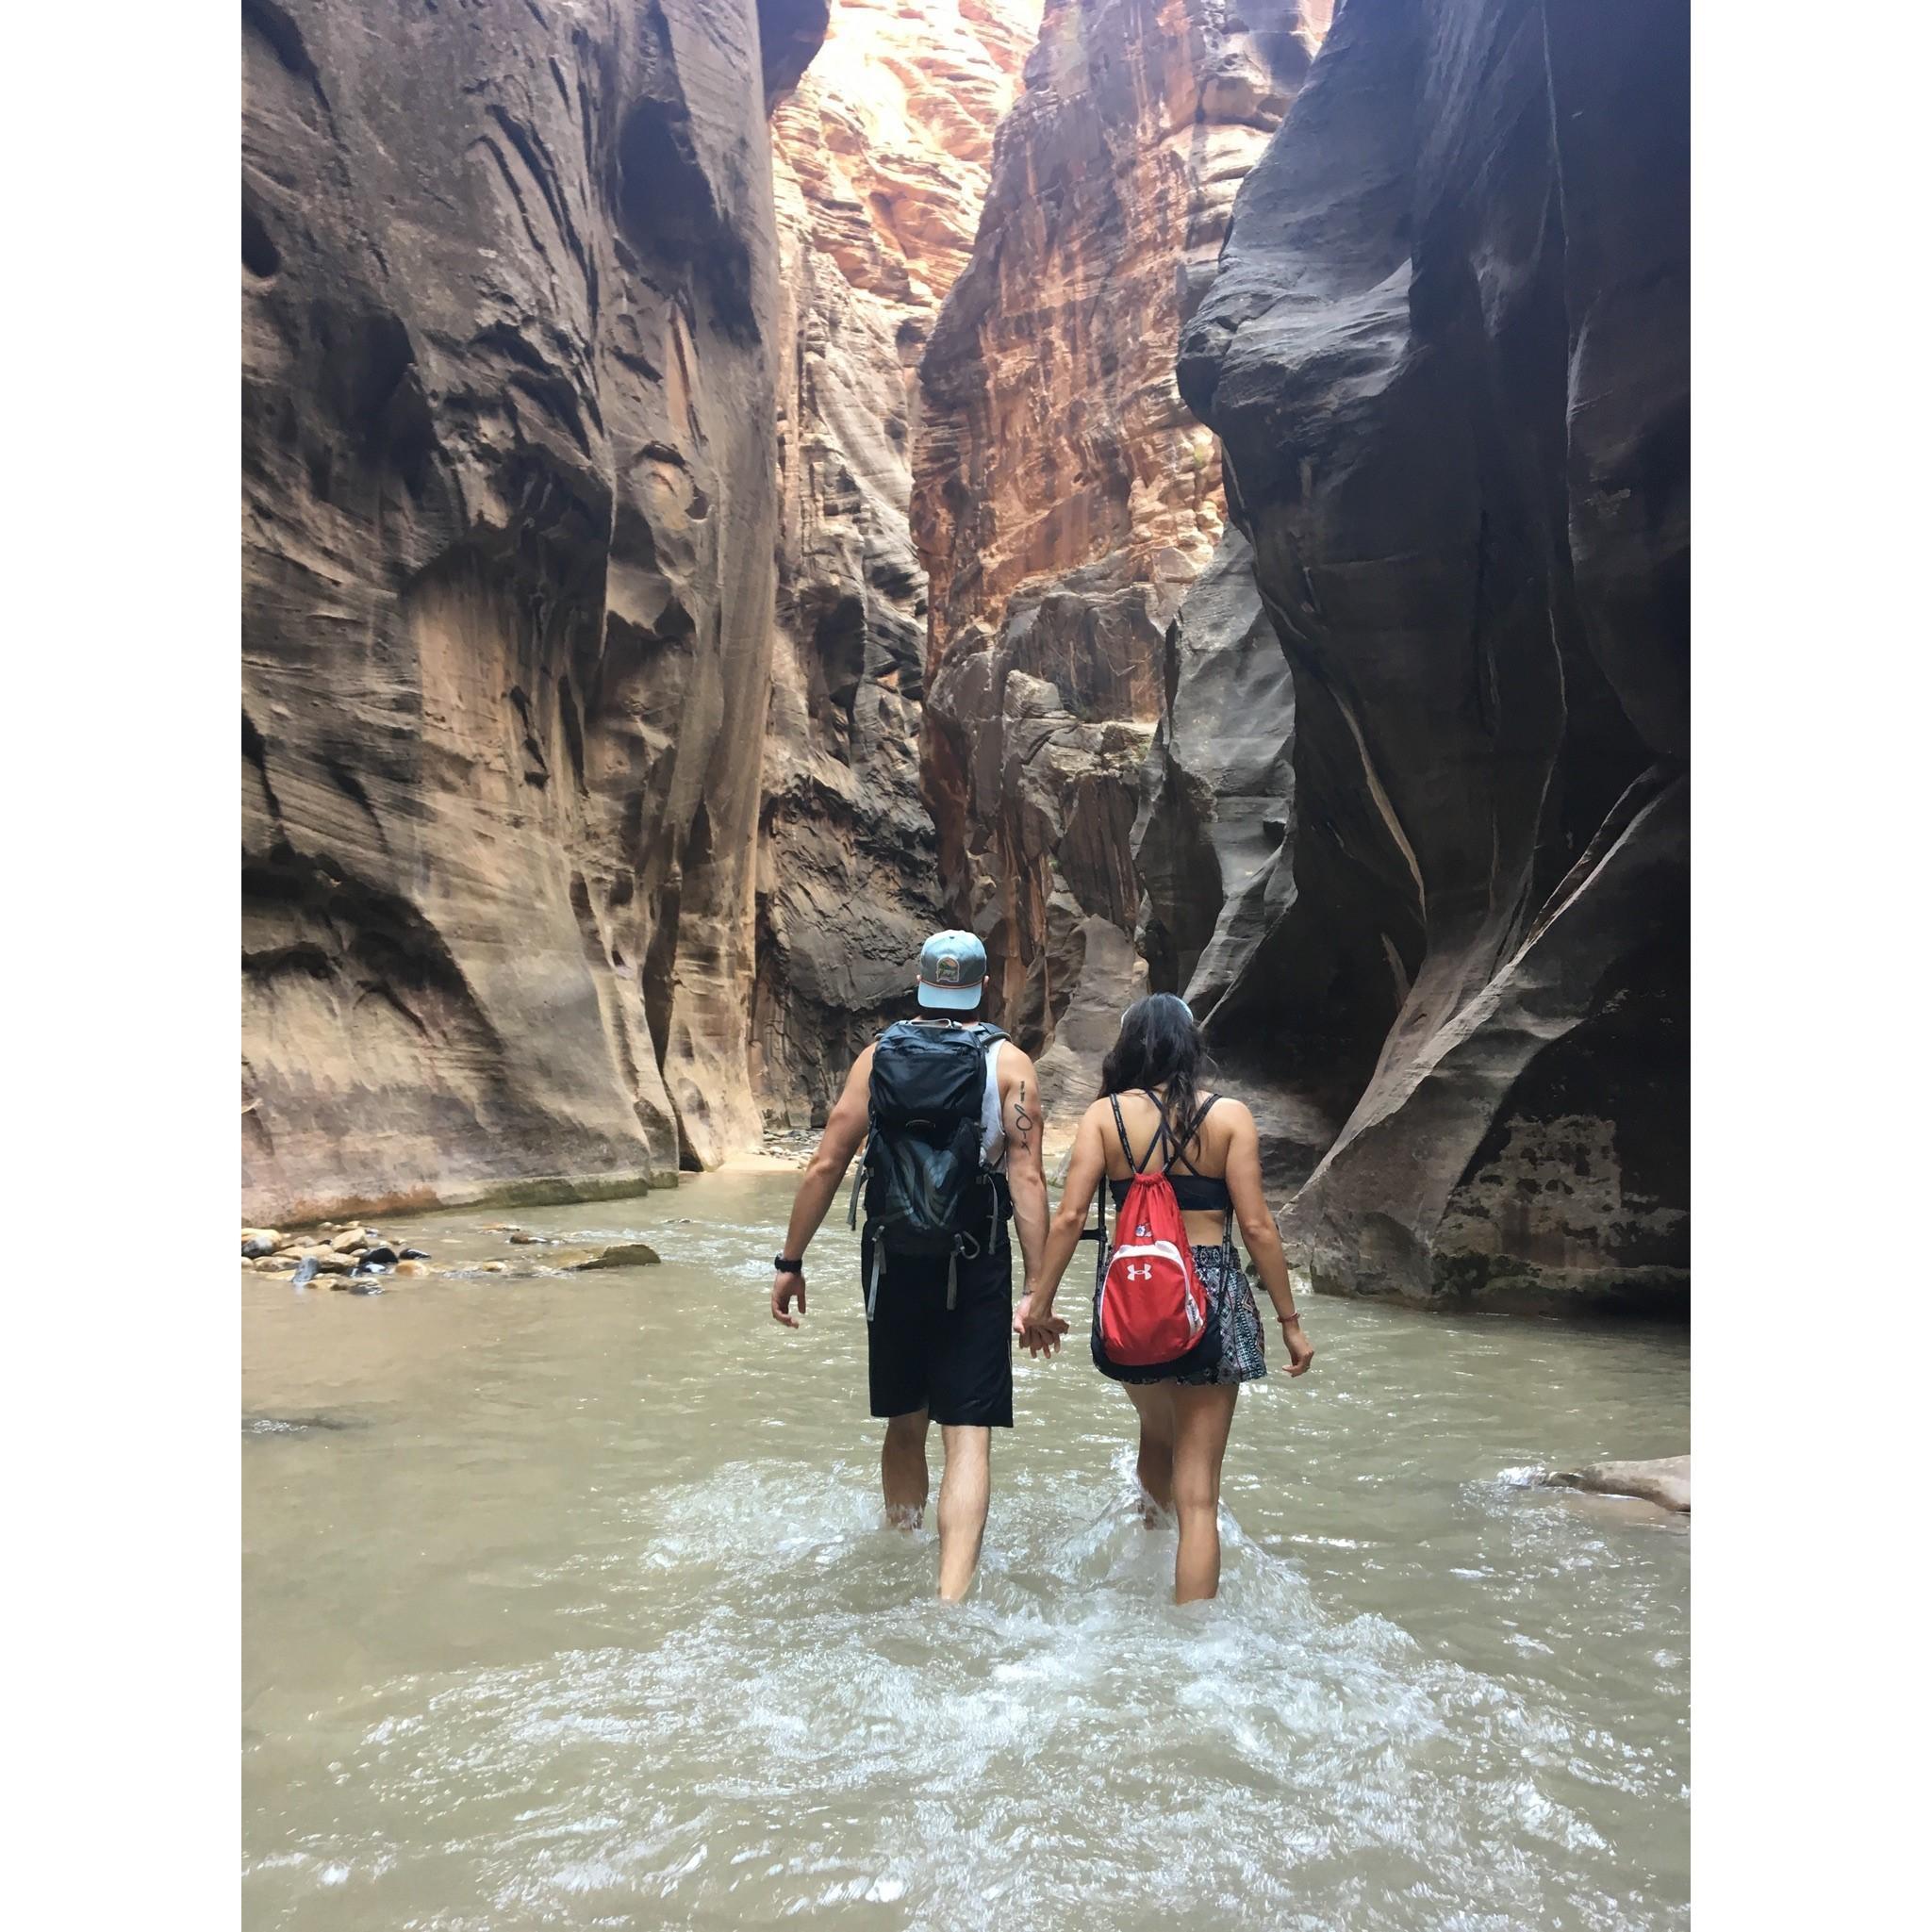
510 334
1063 499
882 158
1448 358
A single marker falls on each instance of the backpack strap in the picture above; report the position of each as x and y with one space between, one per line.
1139 1166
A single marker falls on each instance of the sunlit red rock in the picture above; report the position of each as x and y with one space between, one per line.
881 157
1065 496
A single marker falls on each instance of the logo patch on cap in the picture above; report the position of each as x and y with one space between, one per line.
948 973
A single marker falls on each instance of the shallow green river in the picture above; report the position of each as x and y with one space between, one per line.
568 1603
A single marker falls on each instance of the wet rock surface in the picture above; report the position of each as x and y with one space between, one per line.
511 336
1447 356
1664 1480
1065 498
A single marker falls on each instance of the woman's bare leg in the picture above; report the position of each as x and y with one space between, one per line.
1202 1417
1154 1465
902 1469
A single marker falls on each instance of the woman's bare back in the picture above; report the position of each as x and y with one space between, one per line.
1206 1154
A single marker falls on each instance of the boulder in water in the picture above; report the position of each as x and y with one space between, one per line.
380 1256
305 1272
623 1254
415 1254
256 1242
351 1238
410 1267
1662 1480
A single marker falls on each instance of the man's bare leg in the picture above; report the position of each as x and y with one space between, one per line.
963 1492
1154 1465
902 1470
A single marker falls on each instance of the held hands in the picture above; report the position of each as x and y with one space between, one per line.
785 1283
1035 1324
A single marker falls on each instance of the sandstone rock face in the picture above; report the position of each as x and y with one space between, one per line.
1448 357
511 328
1664 1480
882 160
1063 496
1237 912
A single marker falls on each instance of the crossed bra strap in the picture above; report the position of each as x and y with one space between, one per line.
1165 1138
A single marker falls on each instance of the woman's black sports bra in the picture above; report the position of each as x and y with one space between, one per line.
1193 1193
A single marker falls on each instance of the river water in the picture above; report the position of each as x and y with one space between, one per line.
568 1602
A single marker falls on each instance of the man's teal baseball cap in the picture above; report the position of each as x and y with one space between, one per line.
952 968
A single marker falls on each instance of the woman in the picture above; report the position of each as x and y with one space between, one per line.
1150 1115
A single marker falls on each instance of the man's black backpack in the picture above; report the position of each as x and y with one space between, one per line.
928 1190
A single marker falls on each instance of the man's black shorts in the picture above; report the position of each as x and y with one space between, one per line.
957 1363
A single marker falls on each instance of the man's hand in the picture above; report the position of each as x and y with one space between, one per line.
785 1284
1035 1324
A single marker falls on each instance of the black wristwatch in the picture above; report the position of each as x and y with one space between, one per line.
788 1265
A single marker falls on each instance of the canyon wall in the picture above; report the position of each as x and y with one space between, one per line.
1064 498
882 158
1432 893
692 546
511 357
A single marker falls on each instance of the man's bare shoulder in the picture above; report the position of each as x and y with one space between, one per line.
1016 1064
859 1080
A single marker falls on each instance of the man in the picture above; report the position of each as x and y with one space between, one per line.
950 1111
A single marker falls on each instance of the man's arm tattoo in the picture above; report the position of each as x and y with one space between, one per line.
1022 1120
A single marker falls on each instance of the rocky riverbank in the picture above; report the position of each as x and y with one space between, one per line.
364 1260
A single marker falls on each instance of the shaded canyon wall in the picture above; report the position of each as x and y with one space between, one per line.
512 345
1431 891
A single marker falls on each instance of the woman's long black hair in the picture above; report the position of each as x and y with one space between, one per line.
1159 1045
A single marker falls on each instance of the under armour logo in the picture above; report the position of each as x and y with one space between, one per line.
1145 1272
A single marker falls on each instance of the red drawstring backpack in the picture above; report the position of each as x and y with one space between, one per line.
1153 1319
